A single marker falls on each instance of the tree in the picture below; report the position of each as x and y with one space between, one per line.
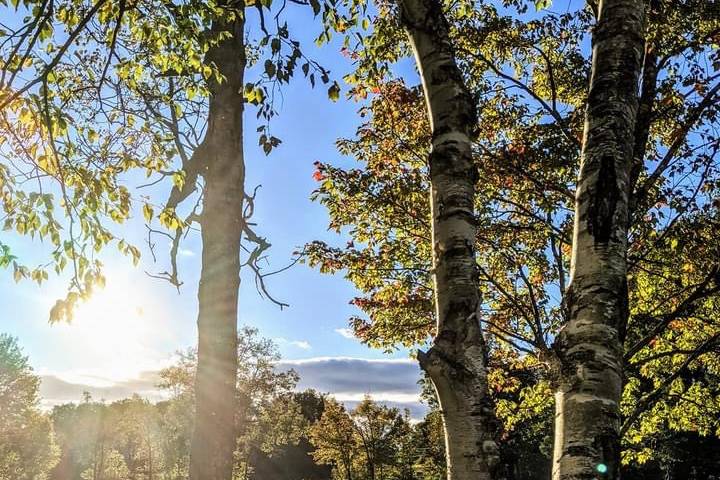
429 447
176 426
223 169
333 437
531 80
50 191
589 345
379 430
28 450
456 362
133 439
138 437
293 459
120 441
112 467
134 100
372 441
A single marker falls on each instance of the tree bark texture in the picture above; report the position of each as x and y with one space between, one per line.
589 346
223 171
456 363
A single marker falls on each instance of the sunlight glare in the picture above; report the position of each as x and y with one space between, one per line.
114 331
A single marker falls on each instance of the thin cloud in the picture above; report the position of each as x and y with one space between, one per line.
345 332
295 343
54 390
183 252
301 344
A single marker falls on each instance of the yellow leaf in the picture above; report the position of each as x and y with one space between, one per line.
147 212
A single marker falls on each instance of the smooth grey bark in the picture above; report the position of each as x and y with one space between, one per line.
456 363
589 346
221 164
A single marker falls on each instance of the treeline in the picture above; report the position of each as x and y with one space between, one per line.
280 433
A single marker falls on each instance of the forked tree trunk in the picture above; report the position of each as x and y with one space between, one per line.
223 171
589 347
456 363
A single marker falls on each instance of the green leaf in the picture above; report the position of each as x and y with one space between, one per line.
315 4
542 4
270 68
334 92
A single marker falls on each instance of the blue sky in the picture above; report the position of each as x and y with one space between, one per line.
133 327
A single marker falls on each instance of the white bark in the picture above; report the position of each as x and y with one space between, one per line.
589 347
456 363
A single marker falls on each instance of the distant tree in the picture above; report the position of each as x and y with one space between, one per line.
120 441
146 441
176 420
27 447
334 439
79 434
379 430
138 437
294 461
370 442
312 404
429 447
266 416
279 422
112 466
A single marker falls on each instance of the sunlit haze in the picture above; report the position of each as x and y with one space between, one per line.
114 329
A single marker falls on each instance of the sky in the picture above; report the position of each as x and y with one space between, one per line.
127 332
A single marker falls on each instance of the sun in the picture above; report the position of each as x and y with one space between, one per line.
115 332
111 318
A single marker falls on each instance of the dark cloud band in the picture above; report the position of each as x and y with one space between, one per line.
393 382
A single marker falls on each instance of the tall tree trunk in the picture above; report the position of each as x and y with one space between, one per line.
589 347
456 363
370 465
348 468
223 171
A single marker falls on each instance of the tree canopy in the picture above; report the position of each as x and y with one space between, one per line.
529 73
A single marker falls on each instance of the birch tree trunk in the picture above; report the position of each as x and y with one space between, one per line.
223 170
456 363
589 347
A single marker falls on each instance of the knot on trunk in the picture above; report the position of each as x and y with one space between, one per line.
603 202
437 364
